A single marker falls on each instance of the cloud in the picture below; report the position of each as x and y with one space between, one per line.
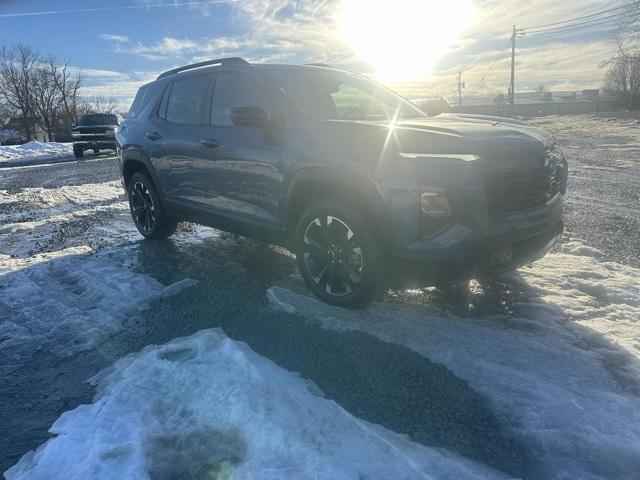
294 31
113 38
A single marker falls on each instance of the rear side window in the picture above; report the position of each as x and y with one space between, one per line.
187 100
138 102
232 91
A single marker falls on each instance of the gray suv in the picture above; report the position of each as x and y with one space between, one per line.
362 185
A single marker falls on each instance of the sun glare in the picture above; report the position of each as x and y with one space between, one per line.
401 39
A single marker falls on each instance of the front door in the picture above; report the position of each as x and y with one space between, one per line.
242 162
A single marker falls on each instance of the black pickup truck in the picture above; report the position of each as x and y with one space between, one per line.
95 132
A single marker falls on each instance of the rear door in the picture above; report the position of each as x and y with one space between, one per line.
241 164
173 138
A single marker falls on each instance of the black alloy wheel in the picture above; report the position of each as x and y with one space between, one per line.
332 255
142 207
338 254
146 210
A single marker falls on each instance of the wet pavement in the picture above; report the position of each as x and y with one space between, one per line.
379 382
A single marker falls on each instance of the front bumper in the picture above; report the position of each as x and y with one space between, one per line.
503 245
98 144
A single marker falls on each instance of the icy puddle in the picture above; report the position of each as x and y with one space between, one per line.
206 406
562 372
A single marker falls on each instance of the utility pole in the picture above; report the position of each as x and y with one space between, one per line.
459 91
512 86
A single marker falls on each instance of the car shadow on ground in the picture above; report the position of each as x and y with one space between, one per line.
378 381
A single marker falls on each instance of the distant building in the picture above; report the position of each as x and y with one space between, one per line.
531 104
14 124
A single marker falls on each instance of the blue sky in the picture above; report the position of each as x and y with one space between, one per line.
118 47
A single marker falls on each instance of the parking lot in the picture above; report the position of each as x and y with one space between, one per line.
534 374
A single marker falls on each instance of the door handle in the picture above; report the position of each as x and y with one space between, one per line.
210 143
154 136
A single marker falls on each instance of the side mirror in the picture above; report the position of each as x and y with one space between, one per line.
249 116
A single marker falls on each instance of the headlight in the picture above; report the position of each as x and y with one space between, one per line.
435 204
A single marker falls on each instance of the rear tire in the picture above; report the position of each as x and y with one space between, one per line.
96 151
146 210
338 255
78 151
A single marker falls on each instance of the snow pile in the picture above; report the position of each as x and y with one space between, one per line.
206 406
603 297
562 372
34 151
72 302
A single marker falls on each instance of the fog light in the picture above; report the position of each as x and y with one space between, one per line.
435 204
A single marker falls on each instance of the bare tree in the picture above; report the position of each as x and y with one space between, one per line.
18 67
46 97
626 34
68 85
99 104
623 79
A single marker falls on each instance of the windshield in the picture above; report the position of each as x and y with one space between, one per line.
335 95
98 119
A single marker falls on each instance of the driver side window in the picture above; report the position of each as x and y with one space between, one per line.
351 103
231 91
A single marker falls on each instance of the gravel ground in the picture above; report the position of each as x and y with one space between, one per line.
603 198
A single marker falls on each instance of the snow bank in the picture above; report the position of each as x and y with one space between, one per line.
206 406
603 297
72 301
562 372
33 152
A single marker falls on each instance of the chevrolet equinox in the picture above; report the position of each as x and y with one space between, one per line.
362 185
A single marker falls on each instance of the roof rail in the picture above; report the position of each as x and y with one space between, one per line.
217 61
326 65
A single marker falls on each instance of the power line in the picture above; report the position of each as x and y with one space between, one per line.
582 17
107 9
565 30
594 21
586 23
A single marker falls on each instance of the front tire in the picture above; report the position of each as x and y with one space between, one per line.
146 210
338 255
78 151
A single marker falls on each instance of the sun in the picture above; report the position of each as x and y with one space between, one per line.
401 39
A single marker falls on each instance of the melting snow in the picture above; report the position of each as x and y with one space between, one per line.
34 151
206 406
70 301
562 372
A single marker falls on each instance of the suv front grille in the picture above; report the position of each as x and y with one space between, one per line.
509 192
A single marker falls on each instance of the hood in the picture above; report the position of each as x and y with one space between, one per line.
493 138
482 126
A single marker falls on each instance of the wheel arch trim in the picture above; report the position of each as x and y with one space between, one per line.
347 180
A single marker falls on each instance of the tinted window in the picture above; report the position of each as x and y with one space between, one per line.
335 95
98 119
187 100
138 102
351 103
232 91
